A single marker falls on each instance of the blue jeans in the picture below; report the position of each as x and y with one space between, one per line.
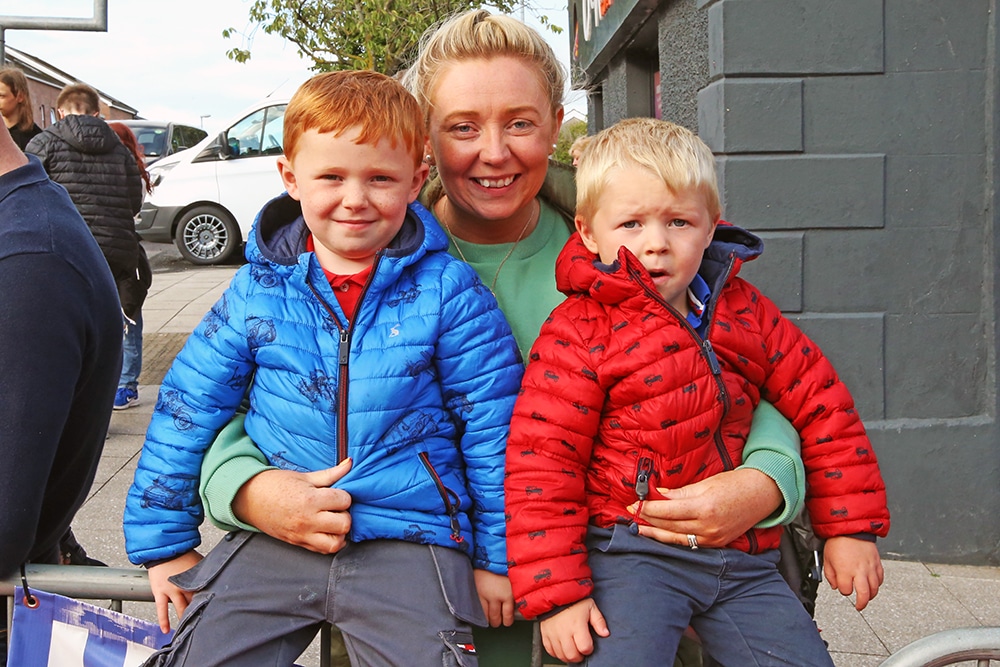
738 604
132 354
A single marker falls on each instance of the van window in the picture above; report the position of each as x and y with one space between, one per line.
260 133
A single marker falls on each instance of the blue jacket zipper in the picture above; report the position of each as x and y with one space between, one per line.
451 507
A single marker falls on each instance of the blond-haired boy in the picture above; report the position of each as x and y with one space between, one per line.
361 342
644 380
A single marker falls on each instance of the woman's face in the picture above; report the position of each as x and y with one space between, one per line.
492 128
8 102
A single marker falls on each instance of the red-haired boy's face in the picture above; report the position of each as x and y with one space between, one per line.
353 196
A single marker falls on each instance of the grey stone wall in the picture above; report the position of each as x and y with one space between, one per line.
858 137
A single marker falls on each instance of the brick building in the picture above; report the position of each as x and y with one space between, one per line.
45 82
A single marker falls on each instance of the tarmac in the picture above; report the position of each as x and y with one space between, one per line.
917 598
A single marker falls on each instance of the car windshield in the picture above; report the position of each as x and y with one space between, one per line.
152 140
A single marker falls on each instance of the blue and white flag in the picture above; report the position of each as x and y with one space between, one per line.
62 632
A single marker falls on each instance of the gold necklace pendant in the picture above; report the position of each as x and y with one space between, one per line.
535 214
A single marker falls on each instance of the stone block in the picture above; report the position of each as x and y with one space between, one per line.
912 113
949 35
789 37
923 270
816 191
778 272
751 115
925 191
941 481
936 365
853 342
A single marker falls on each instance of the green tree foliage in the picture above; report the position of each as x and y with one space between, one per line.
380 35
567 135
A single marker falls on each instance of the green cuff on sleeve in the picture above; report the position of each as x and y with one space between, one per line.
229 463
773 447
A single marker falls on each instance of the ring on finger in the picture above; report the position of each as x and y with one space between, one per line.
692 541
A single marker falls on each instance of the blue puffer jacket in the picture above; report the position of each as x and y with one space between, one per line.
433 369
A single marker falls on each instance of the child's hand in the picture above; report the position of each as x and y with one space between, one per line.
495 596
165 592
566 635
853 564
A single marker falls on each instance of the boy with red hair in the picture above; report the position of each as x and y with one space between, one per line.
361 343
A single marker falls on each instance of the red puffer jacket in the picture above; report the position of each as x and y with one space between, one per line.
619 387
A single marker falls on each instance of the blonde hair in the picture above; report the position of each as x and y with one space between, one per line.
671 152
337 101
479 35
15 80
578 146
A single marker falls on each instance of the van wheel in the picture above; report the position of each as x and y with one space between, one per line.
207 235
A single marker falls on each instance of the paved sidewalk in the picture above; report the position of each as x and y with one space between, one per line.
917 598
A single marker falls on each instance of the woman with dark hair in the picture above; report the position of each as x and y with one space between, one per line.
15 106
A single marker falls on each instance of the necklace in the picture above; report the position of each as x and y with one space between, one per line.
527 223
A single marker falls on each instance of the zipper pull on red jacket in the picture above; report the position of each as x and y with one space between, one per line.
642 475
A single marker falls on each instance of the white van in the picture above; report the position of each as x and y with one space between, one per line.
206 197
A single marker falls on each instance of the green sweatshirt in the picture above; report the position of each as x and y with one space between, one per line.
772 447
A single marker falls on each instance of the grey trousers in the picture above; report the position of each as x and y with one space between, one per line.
260 601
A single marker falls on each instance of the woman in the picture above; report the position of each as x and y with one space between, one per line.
133 292
15 106
492 93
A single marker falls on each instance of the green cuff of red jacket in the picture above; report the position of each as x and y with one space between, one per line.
229 463
773 447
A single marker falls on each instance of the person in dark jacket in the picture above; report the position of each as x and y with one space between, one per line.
62 332
84 155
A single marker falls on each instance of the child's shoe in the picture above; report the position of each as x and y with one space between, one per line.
126 397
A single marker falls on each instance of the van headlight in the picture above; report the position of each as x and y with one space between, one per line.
158 171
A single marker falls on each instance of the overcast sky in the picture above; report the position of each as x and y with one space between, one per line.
167 58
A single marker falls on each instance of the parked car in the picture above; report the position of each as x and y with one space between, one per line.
205 198
158 139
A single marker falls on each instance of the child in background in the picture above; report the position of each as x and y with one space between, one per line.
645 379
363 344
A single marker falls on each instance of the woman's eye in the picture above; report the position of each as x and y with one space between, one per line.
522 125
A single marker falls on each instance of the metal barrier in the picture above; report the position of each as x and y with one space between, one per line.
101 583
949 647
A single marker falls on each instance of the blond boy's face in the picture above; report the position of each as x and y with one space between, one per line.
353 196
667 231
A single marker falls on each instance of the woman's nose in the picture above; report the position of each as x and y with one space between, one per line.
494 148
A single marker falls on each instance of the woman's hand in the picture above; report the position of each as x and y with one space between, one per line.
716 510
165 592
298 508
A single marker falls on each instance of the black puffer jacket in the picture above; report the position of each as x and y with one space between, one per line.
85 156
